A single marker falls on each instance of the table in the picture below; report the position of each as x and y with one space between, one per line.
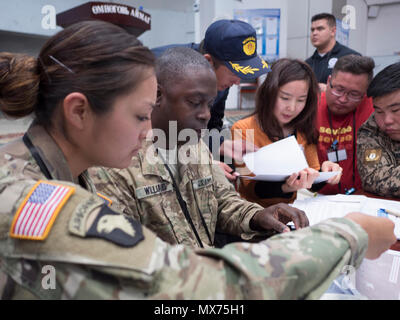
396 246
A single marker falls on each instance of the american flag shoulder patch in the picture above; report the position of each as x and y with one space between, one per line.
37 213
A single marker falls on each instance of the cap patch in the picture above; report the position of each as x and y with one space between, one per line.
249 46
37 213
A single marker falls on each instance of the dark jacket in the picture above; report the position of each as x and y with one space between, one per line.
322 66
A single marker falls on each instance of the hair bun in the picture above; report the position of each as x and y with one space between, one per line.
19 84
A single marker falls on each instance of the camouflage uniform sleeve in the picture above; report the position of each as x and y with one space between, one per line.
113 184
234 213
377 165
89 261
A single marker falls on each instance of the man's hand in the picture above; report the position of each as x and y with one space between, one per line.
229 173
379 230
277 216
235 149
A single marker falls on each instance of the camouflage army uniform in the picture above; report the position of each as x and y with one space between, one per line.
378 160
146 192
297 265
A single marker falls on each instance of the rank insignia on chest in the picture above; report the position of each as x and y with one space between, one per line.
372 156
37 213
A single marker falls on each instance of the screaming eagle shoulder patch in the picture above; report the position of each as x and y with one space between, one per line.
107 224
37 213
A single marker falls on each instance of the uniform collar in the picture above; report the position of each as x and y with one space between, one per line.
152 164
335 50
53 157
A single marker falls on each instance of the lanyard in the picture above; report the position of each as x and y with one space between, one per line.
354 143
184 208
35 154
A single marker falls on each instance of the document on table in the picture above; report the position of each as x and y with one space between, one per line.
380 279
324 207
279 160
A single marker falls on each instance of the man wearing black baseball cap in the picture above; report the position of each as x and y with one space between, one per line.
231 48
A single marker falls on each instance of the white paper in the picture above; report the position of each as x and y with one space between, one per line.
324 207
278 161
283 157
267 177
380 278
372 206
323 176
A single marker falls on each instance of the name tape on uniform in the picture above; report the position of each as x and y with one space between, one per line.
203 182
148 191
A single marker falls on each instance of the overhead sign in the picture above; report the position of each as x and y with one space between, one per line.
132 19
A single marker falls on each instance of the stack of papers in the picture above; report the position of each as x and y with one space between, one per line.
324 207
380 279
278 161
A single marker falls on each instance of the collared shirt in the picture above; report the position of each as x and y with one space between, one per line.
51 155
322 66
146 192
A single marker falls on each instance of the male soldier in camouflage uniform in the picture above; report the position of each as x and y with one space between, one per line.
146 189
378 142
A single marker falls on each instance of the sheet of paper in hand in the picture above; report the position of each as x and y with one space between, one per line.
277 161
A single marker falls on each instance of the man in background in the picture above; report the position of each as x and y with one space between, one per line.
328 50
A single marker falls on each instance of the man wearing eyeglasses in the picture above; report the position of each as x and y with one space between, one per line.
379 138
342 109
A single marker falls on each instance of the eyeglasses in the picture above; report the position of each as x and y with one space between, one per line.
351 95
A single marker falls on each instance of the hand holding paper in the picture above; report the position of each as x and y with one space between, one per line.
279 160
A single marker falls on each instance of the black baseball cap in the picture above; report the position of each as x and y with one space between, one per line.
234 42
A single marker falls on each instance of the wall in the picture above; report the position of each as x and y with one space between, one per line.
383 31
299 17
358 36
21 22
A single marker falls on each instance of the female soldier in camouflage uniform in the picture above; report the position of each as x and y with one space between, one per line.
58 239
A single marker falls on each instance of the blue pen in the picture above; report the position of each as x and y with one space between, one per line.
350 191
382 213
